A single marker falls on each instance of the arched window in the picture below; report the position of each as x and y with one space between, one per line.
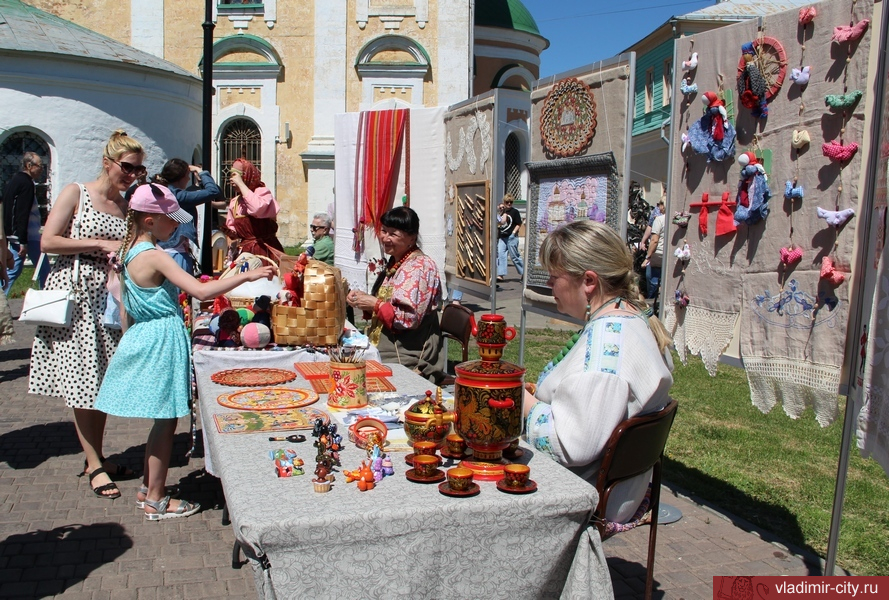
12 150
512 169
240 139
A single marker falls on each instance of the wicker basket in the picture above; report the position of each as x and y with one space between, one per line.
320 319
253 261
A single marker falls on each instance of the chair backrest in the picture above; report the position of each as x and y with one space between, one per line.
456 323
635 446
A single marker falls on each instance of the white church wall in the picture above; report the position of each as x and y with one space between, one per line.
76 105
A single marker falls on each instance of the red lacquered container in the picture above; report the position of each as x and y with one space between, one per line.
488 406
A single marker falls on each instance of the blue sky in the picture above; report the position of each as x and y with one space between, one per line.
586 31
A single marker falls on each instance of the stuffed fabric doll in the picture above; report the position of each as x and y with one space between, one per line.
753 191
752 86
713 134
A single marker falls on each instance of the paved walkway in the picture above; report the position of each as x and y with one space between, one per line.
58 539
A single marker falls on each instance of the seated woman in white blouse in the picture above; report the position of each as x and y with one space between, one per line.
618 366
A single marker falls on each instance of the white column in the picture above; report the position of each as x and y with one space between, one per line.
329 93
454 53
147 26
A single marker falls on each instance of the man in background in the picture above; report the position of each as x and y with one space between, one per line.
509 223
21 218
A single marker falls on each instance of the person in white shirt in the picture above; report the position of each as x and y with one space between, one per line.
618 366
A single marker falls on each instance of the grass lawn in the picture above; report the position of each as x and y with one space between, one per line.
23 283
771 470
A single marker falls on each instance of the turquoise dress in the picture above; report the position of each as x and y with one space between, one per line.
149 375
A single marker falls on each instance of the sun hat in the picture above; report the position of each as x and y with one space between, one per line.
158 199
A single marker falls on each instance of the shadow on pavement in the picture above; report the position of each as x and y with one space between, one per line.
29 447
628 579
778 523
46 563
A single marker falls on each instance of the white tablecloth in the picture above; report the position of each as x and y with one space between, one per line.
401 539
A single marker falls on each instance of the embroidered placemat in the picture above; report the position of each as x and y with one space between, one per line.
276 420
268 399
321 370
252 377
374 384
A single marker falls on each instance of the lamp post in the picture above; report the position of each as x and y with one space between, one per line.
207 136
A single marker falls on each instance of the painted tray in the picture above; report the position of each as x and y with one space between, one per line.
268 399
273 420
252 377
321 370
374 384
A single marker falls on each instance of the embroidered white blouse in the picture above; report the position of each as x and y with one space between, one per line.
614 371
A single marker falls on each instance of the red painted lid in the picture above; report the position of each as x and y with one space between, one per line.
492 318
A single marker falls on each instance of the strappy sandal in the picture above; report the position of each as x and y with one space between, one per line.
120 473
99 491
171 490
186 509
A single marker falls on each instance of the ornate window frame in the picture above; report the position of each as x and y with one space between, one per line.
375 75
241 15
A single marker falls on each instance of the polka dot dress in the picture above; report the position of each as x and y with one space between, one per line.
70 362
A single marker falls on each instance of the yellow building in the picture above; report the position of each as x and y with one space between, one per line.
282 70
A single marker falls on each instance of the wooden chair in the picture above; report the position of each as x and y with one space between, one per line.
456 323
635 446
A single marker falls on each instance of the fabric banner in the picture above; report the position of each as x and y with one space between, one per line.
870 388
382 139
426 185
792 321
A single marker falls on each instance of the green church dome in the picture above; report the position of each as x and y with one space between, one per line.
506 14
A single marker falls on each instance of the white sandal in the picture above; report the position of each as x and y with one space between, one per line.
185 509
171 490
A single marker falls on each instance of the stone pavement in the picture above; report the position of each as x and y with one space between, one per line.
58 539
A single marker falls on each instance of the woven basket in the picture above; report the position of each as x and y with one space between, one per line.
320 319
253 261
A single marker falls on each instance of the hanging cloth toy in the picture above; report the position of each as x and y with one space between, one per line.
713 134
725 218
753 191
751 84
849 33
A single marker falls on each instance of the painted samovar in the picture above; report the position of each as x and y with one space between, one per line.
488 400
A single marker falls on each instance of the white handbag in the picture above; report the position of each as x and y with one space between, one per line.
55 307
48 307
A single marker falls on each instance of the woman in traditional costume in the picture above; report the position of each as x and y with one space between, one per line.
251 213
404 302
616 367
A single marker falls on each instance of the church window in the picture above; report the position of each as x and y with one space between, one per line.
240 139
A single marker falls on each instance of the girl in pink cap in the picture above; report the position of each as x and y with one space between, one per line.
149 375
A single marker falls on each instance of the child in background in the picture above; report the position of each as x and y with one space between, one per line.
149 375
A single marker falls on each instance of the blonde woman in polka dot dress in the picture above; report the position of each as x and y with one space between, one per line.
70 362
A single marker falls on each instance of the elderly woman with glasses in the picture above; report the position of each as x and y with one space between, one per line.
321 240
70 362
405 299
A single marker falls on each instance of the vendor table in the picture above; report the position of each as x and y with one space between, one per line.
401 539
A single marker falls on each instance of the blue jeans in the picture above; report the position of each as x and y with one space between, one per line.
510 246
16 270
653 275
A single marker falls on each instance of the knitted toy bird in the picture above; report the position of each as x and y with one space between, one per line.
713 134
688 88
690 64
753 191
752 86
800 76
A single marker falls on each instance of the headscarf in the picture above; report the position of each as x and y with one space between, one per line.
249 173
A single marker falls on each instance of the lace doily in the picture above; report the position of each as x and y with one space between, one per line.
795 384
454 163
568 118
708 334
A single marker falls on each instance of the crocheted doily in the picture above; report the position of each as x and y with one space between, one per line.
703 332
568 117
795 384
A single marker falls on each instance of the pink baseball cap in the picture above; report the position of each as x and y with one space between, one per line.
158 199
